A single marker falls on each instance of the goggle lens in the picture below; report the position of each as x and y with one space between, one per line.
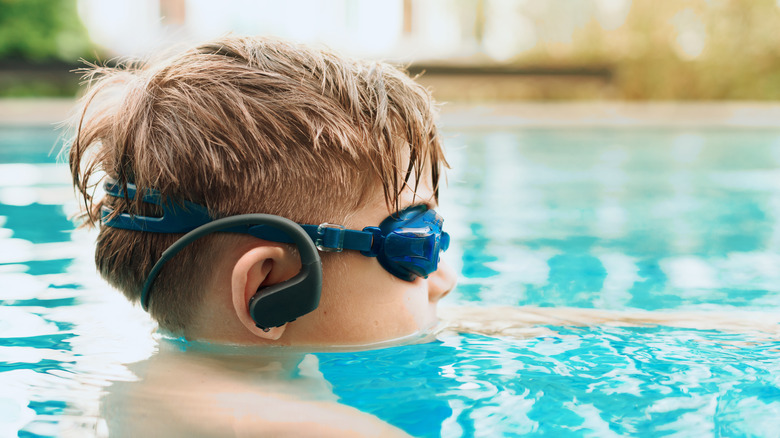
413 240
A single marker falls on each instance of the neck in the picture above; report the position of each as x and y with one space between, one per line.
264 365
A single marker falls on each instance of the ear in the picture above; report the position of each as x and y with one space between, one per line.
258 267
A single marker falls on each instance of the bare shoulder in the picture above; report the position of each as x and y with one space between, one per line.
186 399
297 418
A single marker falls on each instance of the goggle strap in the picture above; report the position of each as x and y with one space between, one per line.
328 239
178 216
184 216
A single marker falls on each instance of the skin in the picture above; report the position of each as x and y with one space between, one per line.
259 392
208 391
361 302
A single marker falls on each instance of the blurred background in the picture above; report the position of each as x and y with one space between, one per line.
467 50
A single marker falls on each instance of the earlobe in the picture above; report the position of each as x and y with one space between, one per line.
259 267
271 334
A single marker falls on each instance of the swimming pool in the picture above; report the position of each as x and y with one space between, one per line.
681 224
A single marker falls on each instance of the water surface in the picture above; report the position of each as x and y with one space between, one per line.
665 221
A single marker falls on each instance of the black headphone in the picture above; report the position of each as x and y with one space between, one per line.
271 306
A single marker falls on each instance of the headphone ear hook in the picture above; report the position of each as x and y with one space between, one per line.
274 305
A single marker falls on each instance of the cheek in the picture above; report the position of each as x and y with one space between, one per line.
361 301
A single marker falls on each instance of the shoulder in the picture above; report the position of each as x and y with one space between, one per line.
184 401
310 419
241 415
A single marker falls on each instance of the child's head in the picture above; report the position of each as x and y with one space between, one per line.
249 125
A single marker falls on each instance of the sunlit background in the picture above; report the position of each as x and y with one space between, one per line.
469 49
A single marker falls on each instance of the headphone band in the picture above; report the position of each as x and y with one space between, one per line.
307 285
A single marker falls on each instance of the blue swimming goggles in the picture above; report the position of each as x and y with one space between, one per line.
407 244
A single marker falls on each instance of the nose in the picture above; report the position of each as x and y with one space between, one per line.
441 282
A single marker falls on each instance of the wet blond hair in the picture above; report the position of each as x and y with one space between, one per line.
243 125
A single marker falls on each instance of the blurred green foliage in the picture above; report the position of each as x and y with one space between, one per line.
40 42
41 30
663 49
733 51
65 84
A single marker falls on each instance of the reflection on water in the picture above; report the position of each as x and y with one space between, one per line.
615 218
669 239
64 335
605 381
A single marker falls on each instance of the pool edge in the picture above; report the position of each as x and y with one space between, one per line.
749 114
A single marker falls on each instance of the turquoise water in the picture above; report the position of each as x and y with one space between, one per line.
663 221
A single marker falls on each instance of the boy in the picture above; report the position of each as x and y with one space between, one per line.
242 126
235 143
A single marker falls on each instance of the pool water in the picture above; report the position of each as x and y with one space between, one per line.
654 221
